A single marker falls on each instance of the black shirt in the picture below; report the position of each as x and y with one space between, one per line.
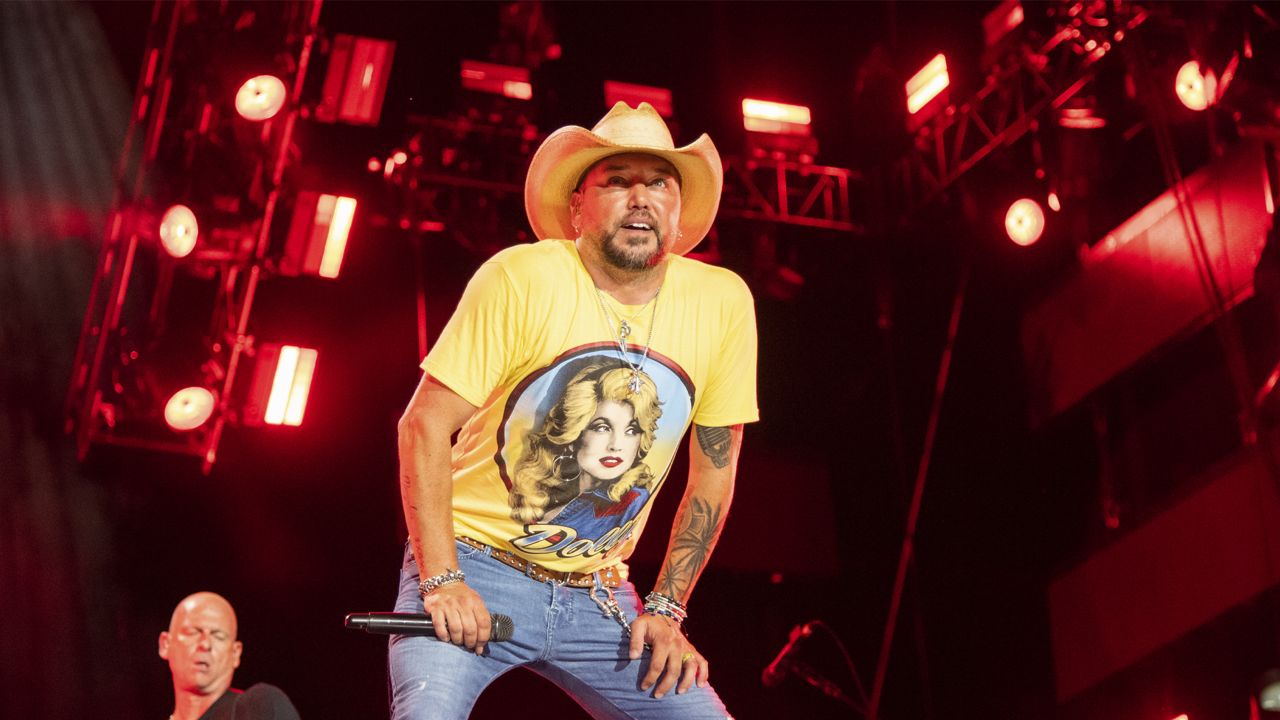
259 702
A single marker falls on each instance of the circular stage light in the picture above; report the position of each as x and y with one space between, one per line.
1195 89
1024 222
179 231
1267 695
260 98
189 408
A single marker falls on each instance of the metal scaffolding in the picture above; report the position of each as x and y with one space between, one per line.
178 109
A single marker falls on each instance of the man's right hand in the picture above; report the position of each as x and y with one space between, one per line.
459 616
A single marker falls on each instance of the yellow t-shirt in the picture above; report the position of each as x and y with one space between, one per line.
569 446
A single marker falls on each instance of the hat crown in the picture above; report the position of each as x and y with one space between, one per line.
641 126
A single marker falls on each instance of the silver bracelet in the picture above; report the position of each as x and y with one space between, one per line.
435 582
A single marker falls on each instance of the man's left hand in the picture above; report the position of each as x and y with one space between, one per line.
672 657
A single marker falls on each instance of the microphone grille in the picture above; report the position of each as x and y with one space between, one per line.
502 628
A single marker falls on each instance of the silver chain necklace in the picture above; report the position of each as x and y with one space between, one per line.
624 331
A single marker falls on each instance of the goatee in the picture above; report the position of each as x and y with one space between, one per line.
622 256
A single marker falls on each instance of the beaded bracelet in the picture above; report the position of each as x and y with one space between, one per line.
655 603
435 582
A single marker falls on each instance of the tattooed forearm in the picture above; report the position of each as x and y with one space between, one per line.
697 528
715 442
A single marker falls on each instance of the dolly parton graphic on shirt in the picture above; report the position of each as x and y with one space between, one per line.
584 445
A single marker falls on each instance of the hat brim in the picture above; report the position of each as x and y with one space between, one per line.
568 152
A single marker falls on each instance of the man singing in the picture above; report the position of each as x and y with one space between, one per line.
571 371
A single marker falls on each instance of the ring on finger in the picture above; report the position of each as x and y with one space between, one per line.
686 658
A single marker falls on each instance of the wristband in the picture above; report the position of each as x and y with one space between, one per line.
655 603
435 582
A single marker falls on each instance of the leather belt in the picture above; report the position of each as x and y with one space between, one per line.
608 576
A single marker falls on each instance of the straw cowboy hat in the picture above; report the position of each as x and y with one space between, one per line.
568 152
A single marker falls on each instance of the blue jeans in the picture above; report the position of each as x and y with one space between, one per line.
560 633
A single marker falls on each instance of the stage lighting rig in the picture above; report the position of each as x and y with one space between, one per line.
200 182
1058 50
1236 69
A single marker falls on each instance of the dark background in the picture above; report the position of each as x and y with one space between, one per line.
299 526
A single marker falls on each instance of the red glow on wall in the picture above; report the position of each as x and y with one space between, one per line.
775 118
660 98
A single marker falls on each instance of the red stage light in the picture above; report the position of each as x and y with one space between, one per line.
1183 716
356 82
281 385
290 386
189 408
927 84
775 118
318 234
1001 21
633 95
261 97
513 82
1024 222
1080 118
341 211
517 89
1054 203
179 231
1196 89
400 157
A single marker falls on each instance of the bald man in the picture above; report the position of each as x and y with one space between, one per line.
203 654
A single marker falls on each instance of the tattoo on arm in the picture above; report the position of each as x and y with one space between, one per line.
715 443
695 534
